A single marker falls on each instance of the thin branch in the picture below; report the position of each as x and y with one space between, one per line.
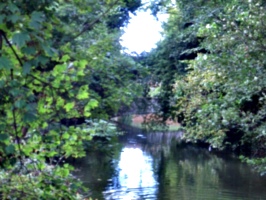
17 136
11 47
3 34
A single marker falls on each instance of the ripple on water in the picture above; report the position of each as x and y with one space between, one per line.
148 193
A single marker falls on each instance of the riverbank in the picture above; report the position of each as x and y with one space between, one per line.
148 121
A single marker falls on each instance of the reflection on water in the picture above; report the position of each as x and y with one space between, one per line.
152 166
135 178
135 169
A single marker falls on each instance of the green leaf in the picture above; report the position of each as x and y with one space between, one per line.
83 92
26 68
65 136
5 63
29 117
59 69
3 137
20 39
14 18
28 50
49 50
91 104
20 103
41 166
27 150
10 149
36 19
83 63
2 17
80 72
60 102
2 83
69 106
15 92
51 153
64 172
37 16
65 58
74 137
43 59
13 8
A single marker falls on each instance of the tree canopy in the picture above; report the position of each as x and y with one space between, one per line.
63 76
61 71
211 67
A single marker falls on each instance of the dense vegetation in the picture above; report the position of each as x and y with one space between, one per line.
61 74
211 67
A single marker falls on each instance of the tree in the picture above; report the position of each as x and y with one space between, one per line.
220 99
51 54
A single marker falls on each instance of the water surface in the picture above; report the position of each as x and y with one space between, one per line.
157 166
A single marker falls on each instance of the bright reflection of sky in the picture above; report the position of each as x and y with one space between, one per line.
142 32
135 176
135 169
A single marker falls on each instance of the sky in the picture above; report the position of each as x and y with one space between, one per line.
143 32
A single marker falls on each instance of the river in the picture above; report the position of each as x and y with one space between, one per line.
157 166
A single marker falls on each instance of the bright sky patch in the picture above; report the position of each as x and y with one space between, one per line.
142 32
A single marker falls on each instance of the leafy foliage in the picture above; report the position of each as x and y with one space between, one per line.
59 61
216 85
